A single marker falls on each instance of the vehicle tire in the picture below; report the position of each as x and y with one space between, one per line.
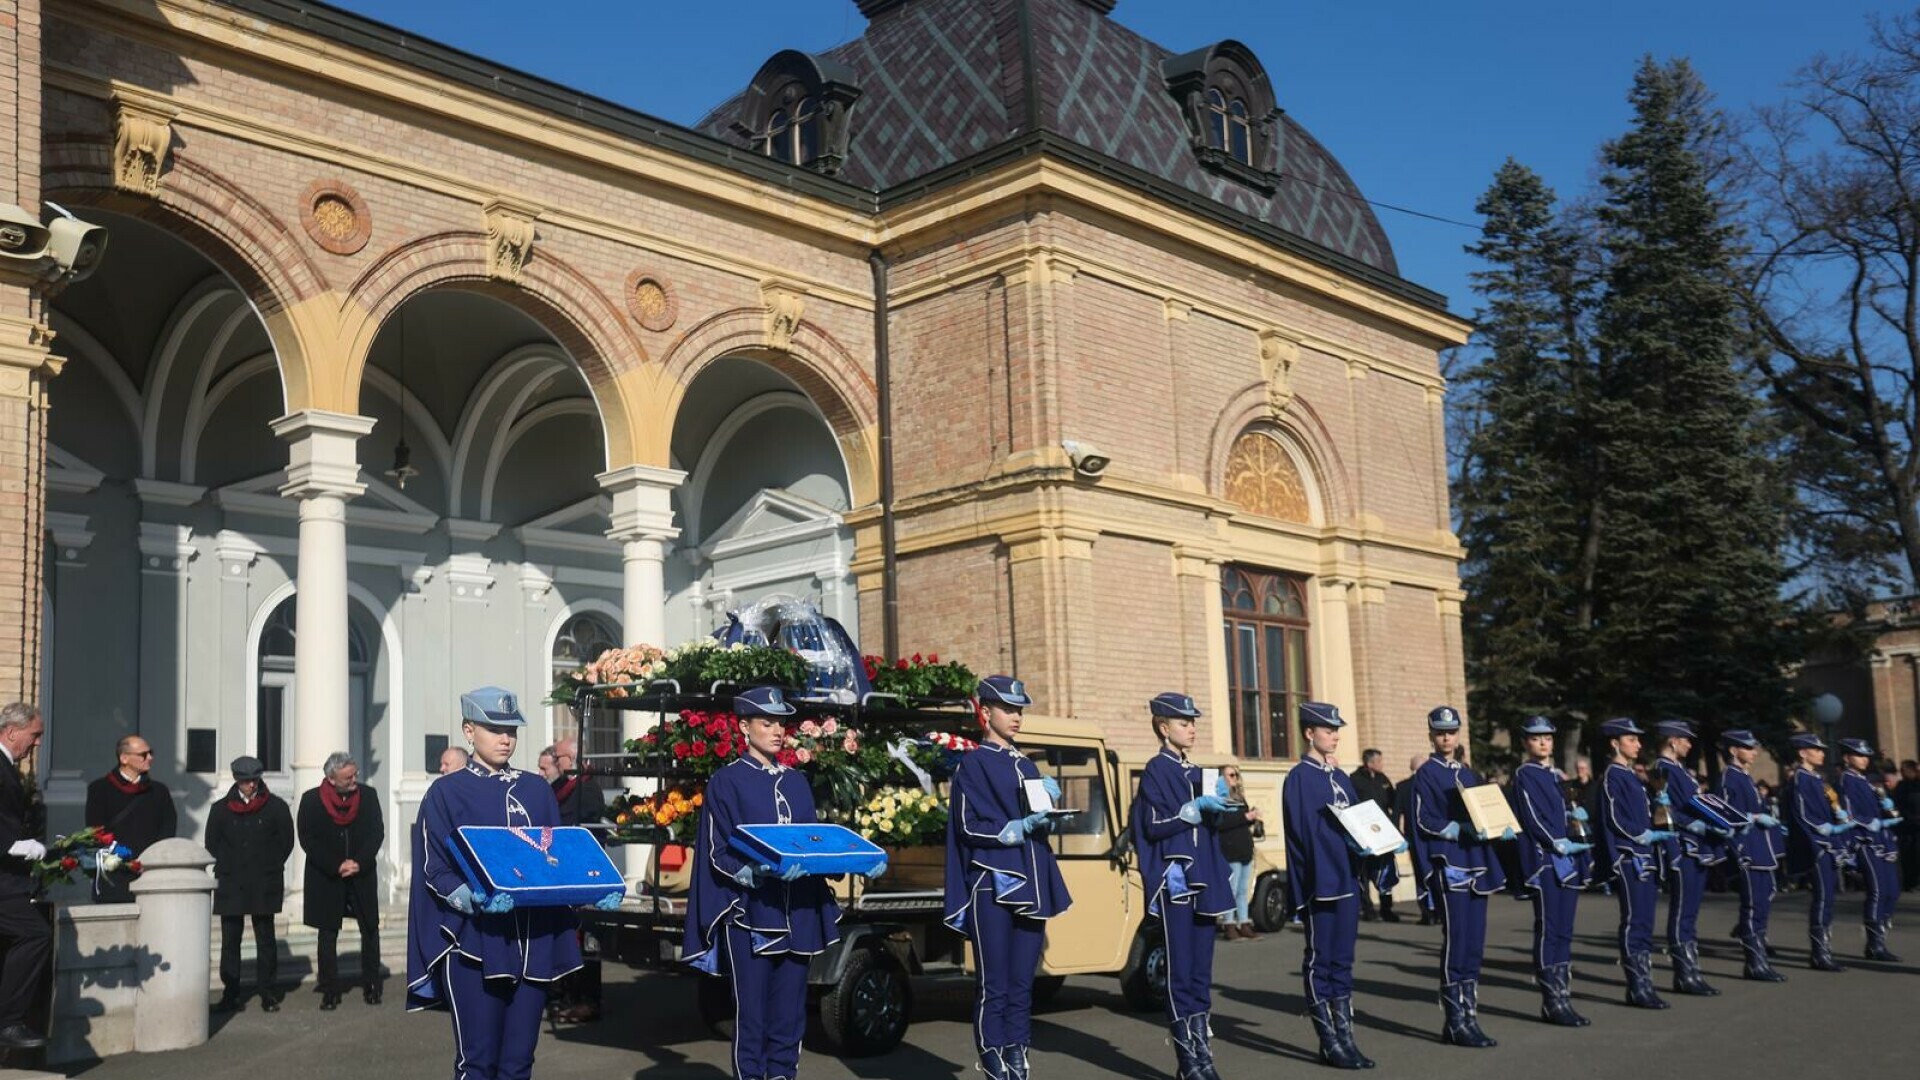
1045 987
1143 982
716 1005
1269 910
868 1010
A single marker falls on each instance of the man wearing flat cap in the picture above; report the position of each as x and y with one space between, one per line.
250 835
1817 828
1757 849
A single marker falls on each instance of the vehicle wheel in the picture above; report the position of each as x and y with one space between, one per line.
1045 987
1143 982
716 1005
868 1010
1269 909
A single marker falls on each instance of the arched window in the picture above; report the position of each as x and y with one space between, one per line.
1216 119
1239 142
793 130
1232 117
582 638
1266 628
797 110
274 721
1263 479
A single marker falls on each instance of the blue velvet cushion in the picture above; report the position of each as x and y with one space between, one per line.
818 848
498 859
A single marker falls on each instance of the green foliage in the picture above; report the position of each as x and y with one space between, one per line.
698 665
921 678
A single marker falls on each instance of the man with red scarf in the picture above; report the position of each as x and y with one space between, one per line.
137 809
340 830
577 998
250 835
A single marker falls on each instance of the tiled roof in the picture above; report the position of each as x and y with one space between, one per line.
942 80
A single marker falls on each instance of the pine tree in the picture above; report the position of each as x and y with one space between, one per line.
1688 616
1520 487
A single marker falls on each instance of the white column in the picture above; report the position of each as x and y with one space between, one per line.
643 523
323 473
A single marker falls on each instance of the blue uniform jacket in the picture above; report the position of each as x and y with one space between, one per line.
534 944
1468 863
985 798
1320 865
1756 846
1803 805
1625 812
1542 810
1862 800
1178 859
784 916
1705 849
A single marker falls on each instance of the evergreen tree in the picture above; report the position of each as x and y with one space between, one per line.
1521 486
1688 616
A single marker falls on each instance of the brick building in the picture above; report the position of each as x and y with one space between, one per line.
1879 693
644 373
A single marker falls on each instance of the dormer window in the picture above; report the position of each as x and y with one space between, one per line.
1228 104
797 110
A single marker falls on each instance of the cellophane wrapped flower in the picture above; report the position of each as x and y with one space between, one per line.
903 817
638 664
89 850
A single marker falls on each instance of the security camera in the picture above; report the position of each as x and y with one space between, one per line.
22 237
76 246
1087 460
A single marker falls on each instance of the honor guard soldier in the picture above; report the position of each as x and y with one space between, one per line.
1876 851
1686 857
476 956
1002 881
1461 869
1817 827
1548 871
759 928
1627 858
1185 876
1755 847
1323 884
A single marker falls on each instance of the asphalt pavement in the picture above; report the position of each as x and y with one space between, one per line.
652 1028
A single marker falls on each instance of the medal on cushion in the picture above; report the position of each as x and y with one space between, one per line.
541 845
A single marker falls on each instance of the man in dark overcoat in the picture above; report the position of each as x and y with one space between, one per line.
250 834
340 830
577 999
1371 781
137 809
26 939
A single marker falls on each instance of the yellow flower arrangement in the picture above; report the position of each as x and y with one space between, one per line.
902 817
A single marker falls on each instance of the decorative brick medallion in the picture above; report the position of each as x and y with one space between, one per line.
336 217
651 302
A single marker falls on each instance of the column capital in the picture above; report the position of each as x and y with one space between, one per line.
237 552
71 537
164 548
642 501
321 453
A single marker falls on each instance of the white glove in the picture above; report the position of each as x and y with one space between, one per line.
28 849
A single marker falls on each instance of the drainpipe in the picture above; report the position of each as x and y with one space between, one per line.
889 568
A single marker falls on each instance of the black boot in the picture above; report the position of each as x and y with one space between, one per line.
1556 997
230 1001
1188 1036
270 998
1686 971
1820 950
993 1063
1343 1029
1333 1051
1640 991
1386 908
1461 1029
1877 943
1016 1058
1758 967
1203 1040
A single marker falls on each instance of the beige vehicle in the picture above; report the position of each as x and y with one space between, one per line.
892 931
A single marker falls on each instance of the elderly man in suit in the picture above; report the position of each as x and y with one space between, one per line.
26 938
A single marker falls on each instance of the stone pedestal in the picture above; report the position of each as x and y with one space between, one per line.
175 894
100 962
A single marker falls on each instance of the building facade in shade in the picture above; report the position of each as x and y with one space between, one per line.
406 373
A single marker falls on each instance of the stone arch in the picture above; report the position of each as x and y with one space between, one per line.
1303 429
551 292
220 220
839 386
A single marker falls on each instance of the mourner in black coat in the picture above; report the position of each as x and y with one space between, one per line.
26 941
577 999
1370 782
341 830
250 834
137 809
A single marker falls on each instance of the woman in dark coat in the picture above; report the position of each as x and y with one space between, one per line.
341 830
250 834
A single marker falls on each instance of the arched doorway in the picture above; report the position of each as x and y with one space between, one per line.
275 717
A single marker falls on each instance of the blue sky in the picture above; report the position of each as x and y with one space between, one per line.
1421 101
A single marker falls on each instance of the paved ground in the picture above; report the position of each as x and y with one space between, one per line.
1826 1021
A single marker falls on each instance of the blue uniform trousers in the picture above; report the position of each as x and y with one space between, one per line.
1756 902
1882 881
769 1007
1327 964
496 1022
1006 950
1463 922
1686 885
1824 877
1637 897
1553 910
1189 939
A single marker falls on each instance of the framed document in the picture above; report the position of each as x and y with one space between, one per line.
1369 827
1034 791
1489 810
